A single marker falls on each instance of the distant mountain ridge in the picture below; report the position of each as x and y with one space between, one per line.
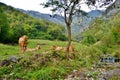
54 18
60 20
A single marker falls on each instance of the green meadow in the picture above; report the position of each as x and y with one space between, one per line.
6 50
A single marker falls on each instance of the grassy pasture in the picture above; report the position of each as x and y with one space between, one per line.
83 51
14 50
50 66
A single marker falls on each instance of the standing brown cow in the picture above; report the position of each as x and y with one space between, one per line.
23 41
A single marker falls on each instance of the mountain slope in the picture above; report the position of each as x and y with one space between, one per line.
54 18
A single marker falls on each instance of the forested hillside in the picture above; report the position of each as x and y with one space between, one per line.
103 34
14 24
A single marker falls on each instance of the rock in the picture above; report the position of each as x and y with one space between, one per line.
76 75
13 59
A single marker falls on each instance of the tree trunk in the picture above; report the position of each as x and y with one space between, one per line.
69 40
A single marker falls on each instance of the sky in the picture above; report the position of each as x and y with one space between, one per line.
34 5
28 5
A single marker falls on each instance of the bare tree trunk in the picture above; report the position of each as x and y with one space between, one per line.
69 40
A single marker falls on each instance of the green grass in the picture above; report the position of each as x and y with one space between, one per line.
9 50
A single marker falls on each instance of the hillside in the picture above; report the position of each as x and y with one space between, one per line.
20 23
104 34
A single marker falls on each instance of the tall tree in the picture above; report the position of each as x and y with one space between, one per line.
68 8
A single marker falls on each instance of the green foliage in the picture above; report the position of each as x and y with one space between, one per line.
5 70
4 27
57 32
89 39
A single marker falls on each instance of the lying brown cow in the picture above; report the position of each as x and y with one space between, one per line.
71 49
33 49
23 41
58 48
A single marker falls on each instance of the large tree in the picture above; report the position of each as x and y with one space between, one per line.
68 8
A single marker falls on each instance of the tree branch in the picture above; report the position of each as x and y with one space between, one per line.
71 13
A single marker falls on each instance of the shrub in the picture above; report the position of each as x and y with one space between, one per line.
5 70
89 39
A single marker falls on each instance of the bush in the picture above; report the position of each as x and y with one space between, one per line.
5 70
89 39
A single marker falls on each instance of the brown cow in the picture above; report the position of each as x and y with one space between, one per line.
58 48
23 41
33 49
71 49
